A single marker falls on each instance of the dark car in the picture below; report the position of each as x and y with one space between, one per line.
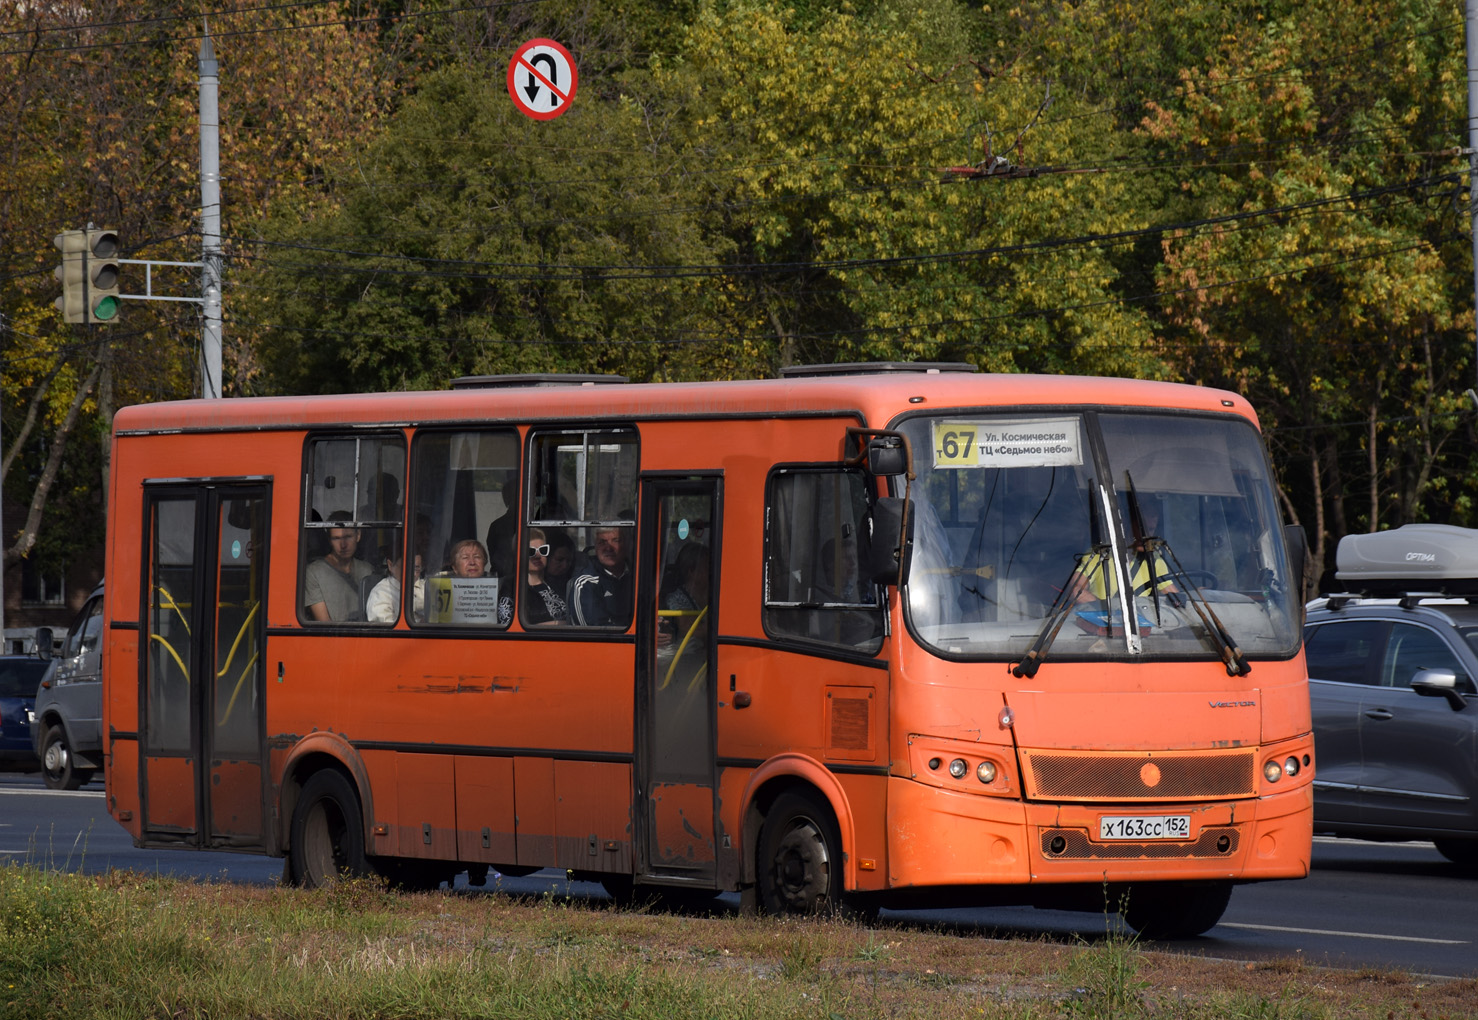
67 734
1392 664
20 676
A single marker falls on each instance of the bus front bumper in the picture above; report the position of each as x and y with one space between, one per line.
942 838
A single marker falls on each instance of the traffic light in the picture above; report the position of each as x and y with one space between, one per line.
73 275
102 274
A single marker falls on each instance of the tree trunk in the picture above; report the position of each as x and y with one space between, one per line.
26 540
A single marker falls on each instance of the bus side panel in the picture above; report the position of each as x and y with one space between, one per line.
485 823
797 701
593 815
533 798
867 796
379 766
426 785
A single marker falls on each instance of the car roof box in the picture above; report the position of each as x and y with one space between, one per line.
1436 558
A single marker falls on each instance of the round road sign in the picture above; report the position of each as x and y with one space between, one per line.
542 79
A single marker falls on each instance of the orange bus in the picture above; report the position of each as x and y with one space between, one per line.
857 633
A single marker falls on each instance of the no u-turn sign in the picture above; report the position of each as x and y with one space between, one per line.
542 79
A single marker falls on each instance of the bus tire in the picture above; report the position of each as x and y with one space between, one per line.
799 866
1175 910
327 832
58 768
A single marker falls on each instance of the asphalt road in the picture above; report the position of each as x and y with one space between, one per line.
1366 905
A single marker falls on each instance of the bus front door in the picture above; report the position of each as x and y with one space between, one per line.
677 624
202 665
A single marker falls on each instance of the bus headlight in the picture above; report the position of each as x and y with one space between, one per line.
986 772
1272 771
1290 767
958 768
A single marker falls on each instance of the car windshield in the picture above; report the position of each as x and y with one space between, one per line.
19 678
1026 524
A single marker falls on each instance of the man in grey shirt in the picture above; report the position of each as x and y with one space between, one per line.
331 586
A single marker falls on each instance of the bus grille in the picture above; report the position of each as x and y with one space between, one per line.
1077 846
1140 776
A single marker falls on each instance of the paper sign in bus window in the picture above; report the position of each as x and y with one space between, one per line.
465 600
997 443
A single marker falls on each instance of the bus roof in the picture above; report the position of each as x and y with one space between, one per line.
879 397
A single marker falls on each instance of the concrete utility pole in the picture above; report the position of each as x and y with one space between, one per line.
210 220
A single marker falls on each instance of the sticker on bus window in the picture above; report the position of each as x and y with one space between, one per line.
1033 442
467 600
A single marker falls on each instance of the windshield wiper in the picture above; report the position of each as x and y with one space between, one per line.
1062 606
1148 546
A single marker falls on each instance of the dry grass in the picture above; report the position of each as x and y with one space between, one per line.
125 945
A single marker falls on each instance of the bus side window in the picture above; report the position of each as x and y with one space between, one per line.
581 514
464 528
814 586
353 524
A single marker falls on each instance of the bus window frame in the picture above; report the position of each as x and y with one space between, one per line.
429 432
879 607
307 527
551 428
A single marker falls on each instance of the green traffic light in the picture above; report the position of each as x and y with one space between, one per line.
105 309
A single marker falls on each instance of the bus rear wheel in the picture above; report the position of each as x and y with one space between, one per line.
327 832
800 856
1175 910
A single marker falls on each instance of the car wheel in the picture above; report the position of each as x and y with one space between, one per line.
1175 910
800 856
1459 851
57 769
327 832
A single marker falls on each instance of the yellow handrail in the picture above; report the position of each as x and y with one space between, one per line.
173 654
686 638
172 604
236 691
239 635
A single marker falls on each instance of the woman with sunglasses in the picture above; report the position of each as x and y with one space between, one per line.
543 605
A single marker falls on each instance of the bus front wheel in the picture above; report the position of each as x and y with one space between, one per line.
327 832
1175 910
800 856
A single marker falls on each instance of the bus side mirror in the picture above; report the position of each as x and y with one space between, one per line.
886 456
43 643
1298 556
889 533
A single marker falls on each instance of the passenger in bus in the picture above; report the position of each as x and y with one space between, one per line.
603 595
383 605
331 584
543 603
470 559
561 561
690 594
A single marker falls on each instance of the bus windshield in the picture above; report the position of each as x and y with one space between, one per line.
1027 526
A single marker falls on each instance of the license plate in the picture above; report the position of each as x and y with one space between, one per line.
1144 827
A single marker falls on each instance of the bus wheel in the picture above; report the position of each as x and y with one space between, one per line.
58 769
1175 910
327 832
800 856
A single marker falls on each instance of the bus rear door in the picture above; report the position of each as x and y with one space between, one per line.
675 693
202 666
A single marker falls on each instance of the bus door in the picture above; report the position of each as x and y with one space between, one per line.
202 665
675 692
